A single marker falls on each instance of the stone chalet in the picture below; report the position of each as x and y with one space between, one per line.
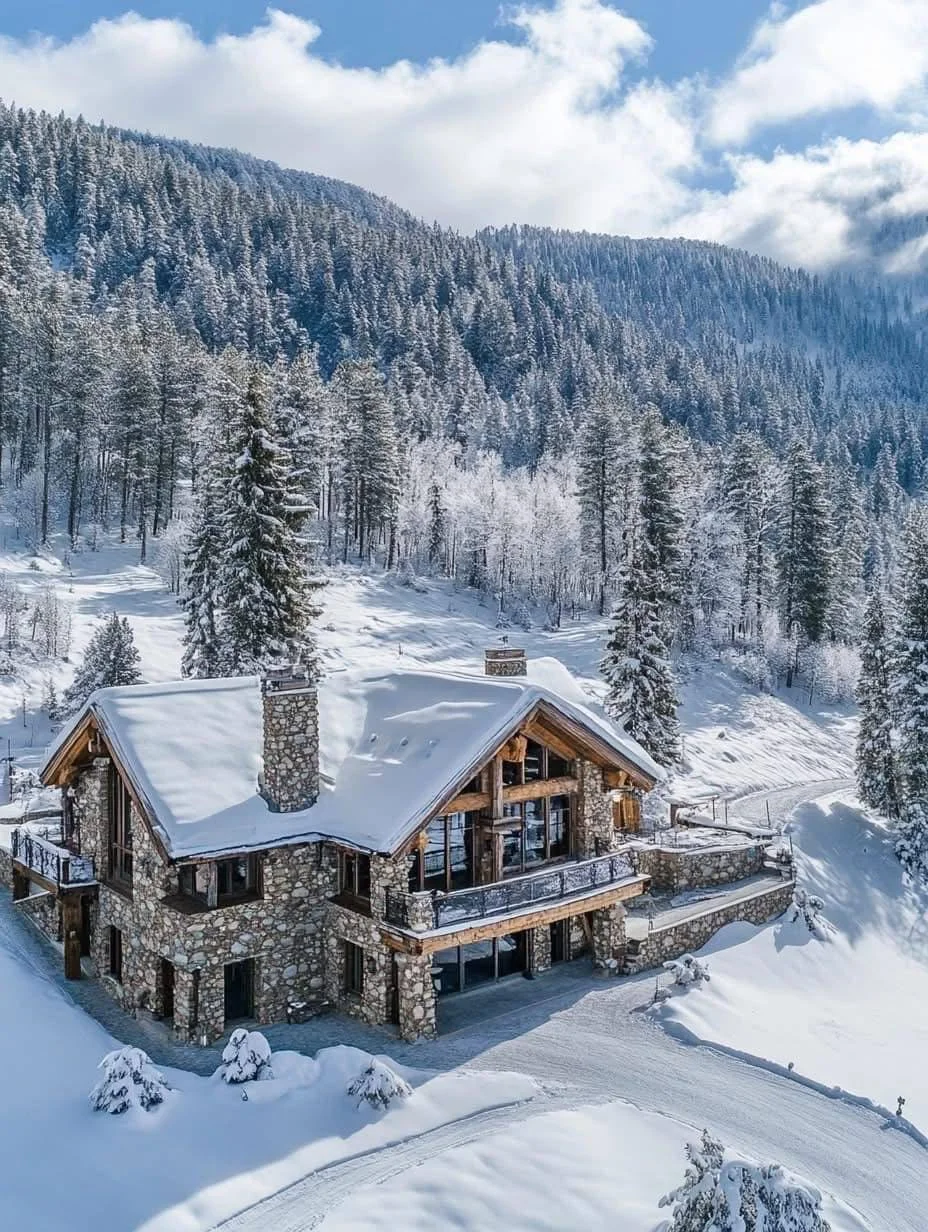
267 848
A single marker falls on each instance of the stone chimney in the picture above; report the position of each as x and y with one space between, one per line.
290 710
506 661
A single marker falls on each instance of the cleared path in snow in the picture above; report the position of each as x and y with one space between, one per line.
593 1044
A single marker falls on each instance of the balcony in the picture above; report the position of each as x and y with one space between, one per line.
427 910
51 863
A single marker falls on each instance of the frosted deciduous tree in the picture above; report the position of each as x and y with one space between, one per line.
875 756
111 659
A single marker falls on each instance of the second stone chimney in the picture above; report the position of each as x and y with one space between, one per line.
505 661
290 712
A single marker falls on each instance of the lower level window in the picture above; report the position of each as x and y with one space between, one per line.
480 962
115 953
354 968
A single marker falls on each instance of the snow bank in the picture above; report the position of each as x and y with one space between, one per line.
848 1012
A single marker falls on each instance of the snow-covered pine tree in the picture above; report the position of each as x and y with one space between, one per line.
602 448
806 555
129 1080
246 1058
910 688
436 526
263 586
111 659
202 646
722 1193
50 701
641 689
378 1085
875 757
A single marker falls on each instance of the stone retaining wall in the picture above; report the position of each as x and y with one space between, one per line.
6 867
673 870
666 943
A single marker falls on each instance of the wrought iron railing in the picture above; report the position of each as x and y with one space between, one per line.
48 860
436 910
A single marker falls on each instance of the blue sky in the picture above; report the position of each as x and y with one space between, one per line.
791 128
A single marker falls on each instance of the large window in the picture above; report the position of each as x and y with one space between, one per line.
541 832
447 863
120 830
539 763
355 875
480 962
222 883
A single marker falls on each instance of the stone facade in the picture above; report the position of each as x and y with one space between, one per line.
281 929
290 710
594 830
663 944
505 662
608 925
674 869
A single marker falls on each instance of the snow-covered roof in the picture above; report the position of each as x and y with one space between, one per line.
392 744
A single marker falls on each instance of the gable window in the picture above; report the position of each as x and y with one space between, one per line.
540 832
354 969
115 953
355 875
120 830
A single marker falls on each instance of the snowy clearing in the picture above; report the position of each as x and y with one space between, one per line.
849 1011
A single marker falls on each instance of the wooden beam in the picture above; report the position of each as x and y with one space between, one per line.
543 734
496 787
540 789
71 936
484 931
616 779
469 802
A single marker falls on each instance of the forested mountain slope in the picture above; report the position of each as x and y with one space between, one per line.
495 340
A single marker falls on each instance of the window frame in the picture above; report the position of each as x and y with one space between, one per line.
251 891
354 874
119 832
114 966
354 969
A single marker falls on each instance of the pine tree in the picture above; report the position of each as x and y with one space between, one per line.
876 775
246 1058
806 556
111 659
910 676
263 587
129 1080
641 690
202 646
436 526
602 456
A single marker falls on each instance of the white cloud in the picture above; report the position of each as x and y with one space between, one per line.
547 129
530 131
824 57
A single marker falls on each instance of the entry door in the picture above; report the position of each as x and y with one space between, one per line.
167 989
559 937
240 990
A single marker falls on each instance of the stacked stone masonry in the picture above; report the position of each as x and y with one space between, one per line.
664 944
673 870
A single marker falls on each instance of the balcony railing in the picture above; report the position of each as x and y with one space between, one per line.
48 860
426 910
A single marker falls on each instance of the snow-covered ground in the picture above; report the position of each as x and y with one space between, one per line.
848 1012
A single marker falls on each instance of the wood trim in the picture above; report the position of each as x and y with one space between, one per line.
538 732
540 789
410 944
470 802
496 787
60 766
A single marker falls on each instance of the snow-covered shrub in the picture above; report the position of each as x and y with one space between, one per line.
722 1193
687 970
809 908
750 665
246 1057
379 1085
129 1080
832 669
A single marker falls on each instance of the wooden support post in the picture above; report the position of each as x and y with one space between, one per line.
496 788
71 935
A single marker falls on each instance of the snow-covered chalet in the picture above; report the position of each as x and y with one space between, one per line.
265 848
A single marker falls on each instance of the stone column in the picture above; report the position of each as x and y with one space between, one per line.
594 832
541 948
416 994
608 925
185 1004
211 998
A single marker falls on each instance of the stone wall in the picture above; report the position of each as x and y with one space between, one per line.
282 930
290 709
42 909
594 831
674 869
666 943
608 926
6 867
